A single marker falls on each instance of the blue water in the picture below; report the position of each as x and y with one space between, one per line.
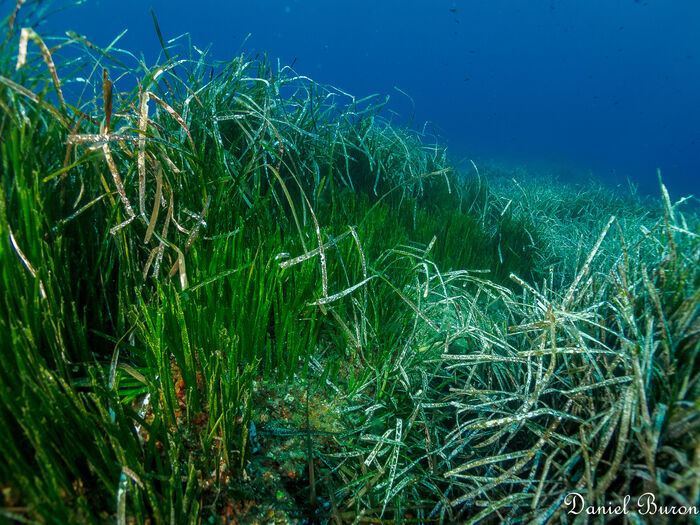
603 86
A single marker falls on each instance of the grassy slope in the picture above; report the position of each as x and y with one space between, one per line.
251 296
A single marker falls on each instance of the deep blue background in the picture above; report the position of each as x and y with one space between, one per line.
608 86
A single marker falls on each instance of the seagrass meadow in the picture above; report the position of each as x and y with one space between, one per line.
233 295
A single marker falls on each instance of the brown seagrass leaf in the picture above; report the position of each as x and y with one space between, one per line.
27 34
107 96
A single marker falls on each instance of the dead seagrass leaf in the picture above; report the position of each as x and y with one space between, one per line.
107 96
